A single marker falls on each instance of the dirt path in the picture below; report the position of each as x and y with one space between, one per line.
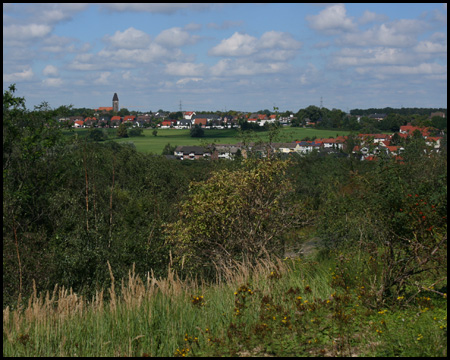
305 249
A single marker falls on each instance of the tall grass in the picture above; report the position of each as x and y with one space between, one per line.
284 307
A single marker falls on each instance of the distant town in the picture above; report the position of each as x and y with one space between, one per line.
369 145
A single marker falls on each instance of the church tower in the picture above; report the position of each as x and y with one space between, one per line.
115 102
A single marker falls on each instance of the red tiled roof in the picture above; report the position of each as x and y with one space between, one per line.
200 121
409 129
434 138
104 108
115 118
392 148
129 118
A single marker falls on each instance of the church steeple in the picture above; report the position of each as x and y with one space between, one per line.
115 102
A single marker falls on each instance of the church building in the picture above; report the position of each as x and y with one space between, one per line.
115 102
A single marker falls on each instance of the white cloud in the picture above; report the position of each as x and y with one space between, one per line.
25 32
53 82
379 55
77 65
246 67
309 75
26 74
273 45
184 81
131 38
278 40
369 17
332 20
237 45
192 27
103 79
153 52
394 34
126 75
430 47
50 70
422 69
52 13
175 37
156 8
185 69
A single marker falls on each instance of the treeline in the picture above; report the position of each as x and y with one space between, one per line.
400 111
359 120
70 205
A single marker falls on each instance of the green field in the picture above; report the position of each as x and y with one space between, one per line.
155 144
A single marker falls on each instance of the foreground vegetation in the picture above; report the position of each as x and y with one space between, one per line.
295 307
206 238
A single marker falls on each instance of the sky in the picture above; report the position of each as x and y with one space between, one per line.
220 57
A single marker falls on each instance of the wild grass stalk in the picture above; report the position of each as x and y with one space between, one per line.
283 307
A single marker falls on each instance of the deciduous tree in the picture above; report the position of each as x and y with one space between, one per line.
235 215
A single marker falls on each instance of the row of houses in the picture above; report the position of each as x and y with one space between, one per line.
190 119
370 146
106 120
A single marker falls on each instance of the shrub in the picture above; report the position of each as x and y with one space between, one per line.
135 132
197 131
97 135
235 215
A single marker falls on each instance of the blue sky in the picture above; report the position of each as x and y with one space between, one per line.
245 57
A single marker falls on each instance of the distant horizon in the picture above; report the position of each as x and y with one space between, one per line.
239 56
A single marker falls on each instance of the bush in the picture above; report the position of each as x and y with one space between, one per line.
122 131
197 131
135 132
97 135
237 215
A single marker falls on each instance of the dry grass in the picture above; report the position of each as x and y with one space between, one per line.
53 309
155 316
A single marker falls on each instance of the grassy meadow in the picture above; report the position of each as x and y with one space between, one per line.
155 144
291 307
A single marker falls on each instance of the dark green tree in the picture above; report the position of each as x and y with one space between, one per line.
97 135
439 122
168 149
133 132
32 143
122 131
197 131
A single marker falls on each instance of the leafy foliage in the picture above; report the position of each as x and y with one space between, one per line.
197 131
235 215
122 131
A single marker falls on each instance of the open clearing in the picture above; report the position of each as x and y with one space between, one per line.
155 144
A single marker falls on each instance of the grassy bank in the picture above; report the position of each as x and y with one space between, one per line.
155 144
294 307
